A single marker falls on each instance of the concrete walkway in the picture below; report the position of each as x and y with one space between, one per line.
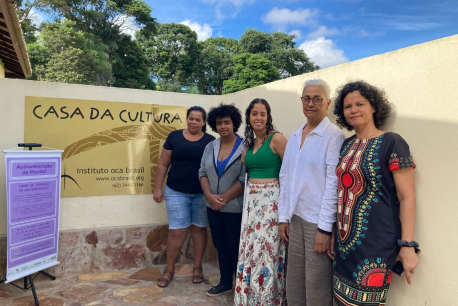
119 288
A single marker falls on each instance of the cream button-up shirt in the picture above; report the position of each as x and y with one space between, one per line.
307 177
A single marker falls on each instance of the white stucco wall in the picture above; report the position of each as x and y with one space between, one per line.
420 80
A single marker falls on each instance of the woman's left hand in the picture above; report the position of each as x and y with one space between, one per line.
409 261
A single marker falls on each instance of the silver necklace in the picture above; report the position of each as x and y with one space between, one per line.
367 137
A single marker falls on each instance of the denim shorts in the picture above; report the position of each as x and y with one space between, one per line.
184 209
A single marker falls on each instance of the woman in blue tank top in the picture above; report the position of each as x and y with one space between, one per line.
261 263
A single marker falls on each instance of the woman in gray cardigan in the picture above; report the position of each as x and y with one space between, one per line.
222 177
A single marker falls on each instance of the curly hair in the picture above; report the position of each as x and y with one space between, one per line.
376 97
249 133
225 110
204 115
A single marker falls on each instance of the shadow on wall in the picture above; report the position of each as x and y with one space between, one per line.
434 147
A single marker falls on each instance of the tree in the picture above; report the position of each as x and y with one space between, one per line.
105 20
63 54
130 68
215 64
173 54
253 41
26 11
250 70
280 49
61 67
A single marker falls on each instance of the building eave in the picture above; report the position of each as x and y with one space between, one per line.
12 39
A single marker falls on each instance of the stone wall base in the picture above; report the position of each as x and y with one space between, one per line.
116 248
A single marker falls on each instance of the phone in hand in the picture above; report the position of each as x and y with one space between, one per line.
399 268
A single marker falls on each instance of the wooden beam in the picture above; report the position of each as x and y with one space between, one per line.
13 75
4 32
6 55
11 61
14 69
3 24
6 38
7 49
10 26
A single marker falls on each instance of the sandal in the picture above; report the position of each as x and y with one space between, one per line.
197 278
165 280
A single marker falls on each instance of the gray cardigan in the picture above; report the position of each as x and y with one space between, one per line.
234 173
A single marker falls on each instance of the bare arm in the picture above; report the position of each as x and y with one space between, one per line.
405 187
243 155
278 144
162 168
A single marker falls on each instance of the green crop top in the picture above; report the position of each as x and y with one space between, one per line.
264 163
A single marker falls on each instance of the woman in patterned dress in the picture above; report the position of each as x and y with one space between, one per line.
376 200
261 264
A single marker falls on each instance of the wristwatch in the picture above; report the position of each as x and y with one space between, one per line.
412 244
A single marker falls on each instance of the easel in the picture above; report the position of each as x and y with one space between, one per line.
28 280
28 283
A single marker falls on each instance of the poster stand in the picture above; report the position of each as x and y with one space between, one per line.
28 283
28 280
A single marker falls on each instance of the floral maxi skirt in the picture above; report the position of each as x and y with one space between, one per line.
261 261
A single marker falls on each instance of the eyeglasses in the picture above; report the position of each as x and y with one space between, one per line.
315 100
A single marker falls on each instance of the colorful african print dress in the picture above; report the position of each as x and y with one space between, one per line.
368 224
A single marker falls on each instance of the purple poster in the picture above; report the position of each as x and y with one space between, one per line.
33 199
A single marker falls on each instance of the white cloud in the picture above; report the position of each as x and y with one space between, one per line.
409 26
127 24
363 33
281 18
36 16
324 31
234 2
203 31
228 8
323 52
297 33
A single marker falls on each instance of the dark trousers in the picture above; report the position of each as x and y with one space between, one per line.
225 230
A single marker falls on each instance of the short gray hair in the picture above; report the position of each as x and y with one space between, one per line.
319 82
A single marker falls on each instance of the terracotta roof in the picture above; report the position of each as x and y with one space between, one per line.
13 50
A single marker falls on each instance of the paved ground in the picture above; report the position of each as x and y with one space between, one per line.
119 288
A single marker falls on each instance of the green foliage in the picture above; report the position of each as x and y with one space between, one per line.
86 45
62 54
104 21
280 49
61 67
250 70
253 41
26 13
215 64
130 69
104 18
172 54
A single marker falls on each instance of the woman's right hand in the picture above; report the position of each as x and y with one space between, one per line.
158 195
215 201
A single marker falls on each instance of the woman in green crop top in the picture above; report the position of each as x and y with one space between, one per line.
261 264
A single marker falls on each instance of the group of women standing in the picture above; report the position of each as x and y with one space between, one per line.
206 181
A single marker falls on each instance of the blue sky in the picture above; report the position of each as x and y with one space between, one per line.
331 32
